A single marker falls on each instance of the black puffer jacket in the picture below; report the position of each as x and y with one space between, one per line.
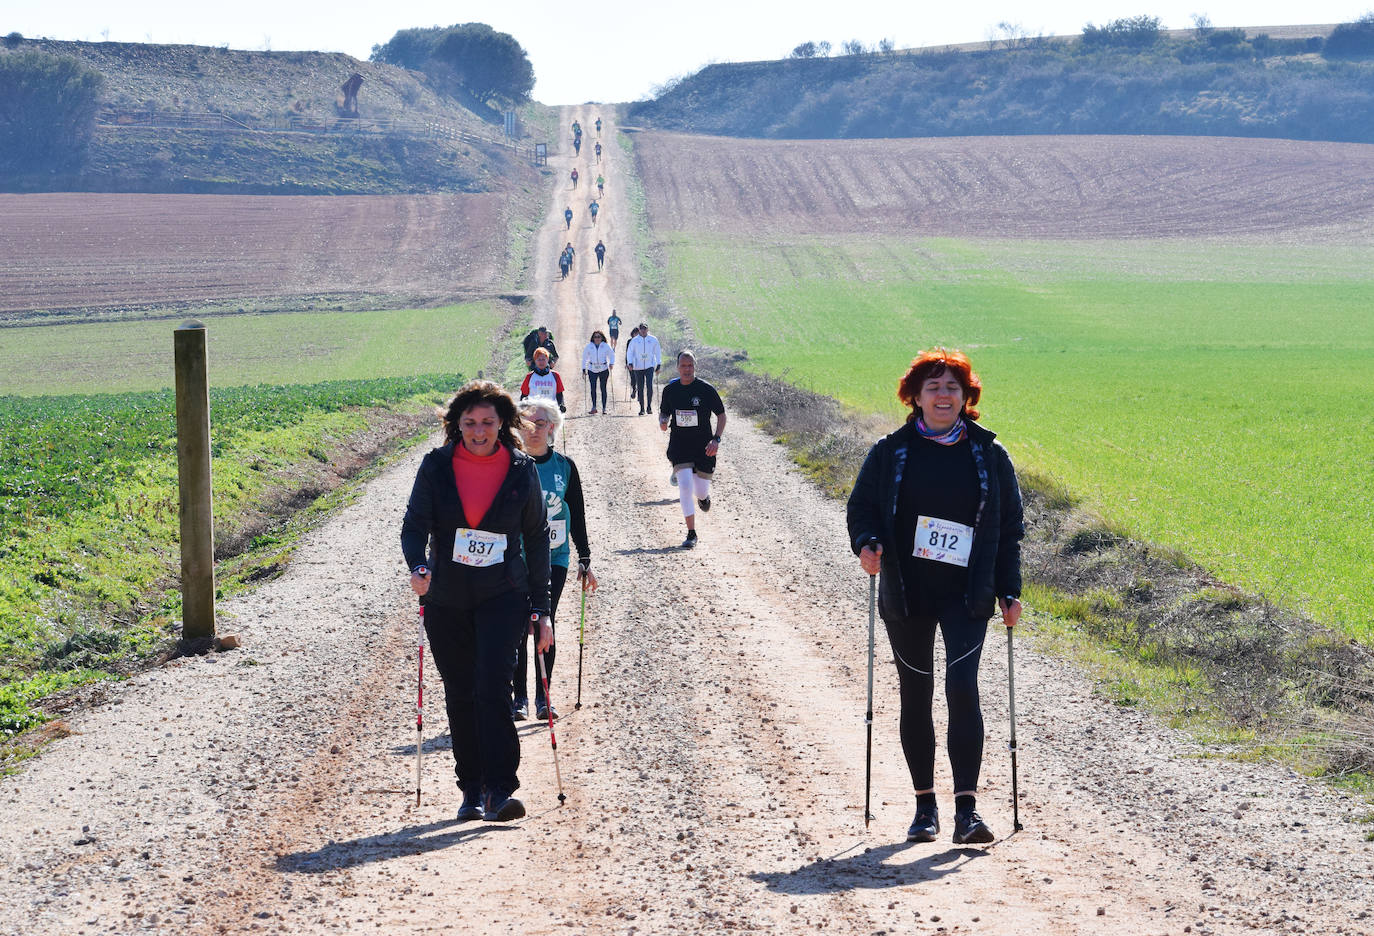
994 568
435 513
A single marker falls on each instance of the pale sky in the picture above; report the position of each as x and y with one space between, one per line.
621 50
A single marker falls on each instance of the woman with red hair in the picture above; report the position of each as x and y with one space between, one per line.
936 512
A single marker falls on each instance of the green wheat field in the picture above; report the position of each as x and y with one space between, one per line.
1216 398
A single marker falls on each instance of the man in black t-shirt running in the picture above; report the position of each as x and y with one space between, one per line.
687 405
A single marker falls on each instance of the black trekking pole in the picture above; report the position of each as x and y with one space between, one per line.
868 716
1011 746
548 710
581 628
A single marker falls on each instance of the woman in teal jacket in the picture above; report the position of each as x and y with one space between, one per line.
567 518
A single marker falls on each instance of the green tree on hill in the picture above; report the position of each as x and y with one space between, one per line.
486 64
47 111
1136 32
1352 40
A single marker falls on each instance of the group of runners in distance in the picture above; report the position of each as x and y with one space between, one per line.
935 517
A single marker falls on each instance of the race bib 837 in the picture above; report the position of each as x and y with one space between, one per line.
479 548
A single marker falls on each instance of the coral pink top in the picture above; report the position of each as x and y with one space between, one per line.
479 478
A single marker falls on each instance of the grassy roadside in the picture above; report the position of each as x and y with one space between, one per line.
88 519
1155 629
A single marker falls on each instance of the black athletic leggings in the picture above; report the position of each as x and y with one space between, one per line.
558 576
913 644
598 377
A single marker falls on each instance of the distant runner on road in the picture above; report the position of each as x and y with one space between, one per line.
600 250
594 208
598 361
541 337
612 323
598 126
567 218
573 176
643 356
685 410
598 152
600 186
543 382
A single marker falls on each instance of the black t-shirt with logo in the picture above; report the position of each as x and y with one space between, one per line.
682 404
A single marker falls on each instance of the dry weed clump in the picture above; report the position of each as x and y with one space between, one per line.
1270 669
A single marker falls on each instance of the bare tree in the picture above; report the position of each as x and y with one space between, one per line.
1008 35
1202 24
804 50
823 48
886 46
854 47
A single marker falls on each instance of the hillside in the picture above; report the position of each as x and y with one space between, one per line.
1215 83
176 118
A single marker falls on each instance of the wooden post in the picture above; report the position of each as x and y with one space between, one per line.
193 482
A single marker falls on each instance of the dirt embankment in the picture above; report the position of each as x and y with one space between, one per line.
714 773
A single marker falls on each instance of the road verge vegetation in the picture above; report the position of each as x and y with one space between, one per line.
88 513
1158 631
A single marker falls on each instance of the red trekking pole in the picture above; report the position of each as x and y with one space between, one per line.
420 704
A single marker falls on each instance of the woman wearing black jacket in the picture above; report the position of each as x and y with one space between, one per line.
937 511
475 502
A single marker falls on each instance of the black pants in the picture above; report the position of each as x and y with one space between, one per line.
913 644
473 650
558 575
594 378
644 387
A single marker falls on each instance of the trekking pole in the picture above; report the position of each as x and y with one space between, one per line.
420 703
581 629
1011 746
868 716
548 710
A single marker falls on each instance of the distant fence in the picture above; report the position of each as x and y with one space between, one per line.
295 123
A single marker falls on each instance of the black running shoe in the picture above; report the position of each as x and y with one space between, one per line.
970 829
471 808
691 539
924 827
503 808
704 503
520 710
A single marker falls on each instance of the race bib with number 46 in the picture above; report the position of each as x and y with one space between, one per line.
943 541
479 548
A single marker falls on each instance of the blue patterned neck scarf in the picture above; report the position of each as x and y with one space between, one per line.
950 436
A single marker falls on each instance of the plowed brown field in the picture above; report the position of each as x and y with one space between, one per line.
1033 186
64 251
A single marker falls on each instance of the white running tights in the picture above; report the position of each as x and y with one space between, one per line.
688 484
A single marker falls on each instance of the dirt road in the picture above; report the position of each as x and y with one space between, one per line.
714 773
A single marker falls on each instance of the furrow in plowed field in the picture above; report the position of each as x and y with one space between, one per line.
63 251
1032 186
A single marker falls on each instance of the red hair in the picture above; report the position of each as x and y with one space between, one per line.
933 363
